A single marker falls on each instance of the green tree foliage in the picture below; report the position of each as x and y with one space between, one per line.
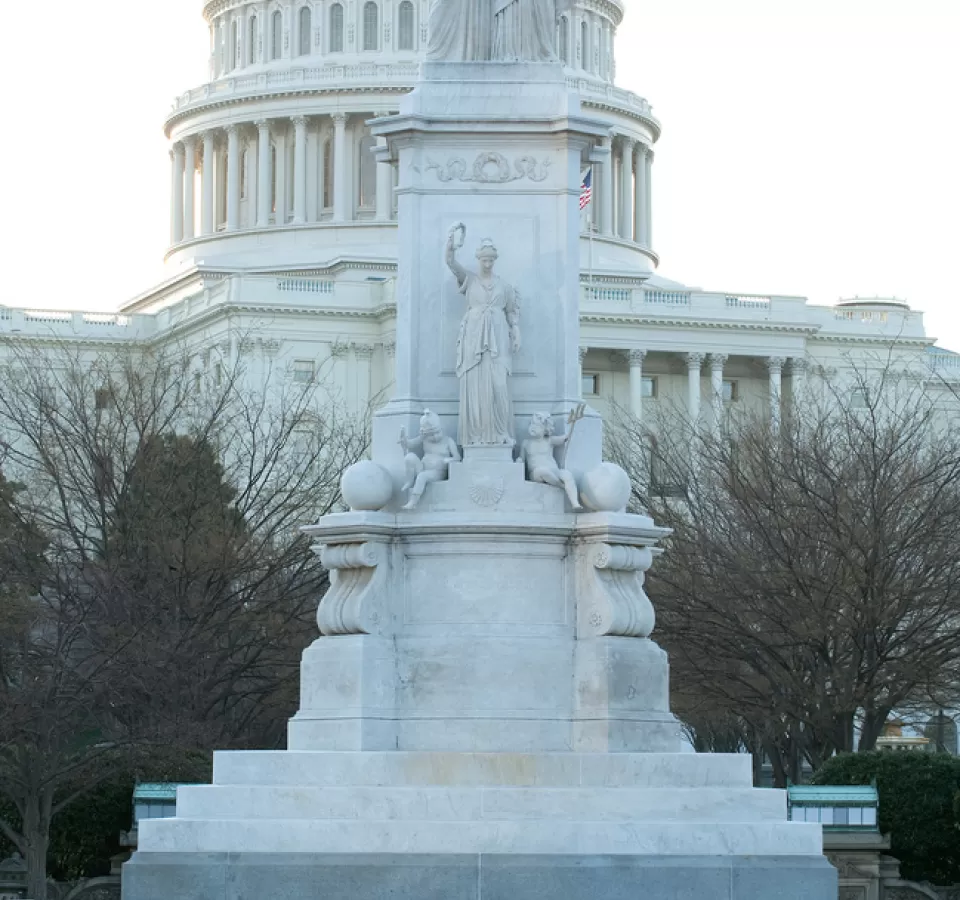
917 796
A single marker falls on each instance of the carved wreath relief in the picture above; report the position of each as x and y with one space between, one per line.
490 168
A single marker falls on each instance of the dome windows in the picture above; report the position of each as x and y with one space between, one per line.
371 26
405 26
336 28
276 42
306 30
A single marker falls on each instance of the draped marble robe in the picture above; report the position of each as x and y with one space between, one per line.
460 31
525 30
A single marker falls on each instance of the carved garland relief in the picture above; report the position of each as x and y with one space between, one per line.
490 168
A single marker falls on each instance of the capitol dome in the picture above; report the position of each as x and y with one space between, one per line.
273 162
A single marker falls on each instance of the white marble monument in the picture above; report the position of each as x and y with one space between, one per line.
484 714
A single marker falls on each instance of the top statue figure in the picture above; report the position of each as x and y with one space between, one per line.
493 30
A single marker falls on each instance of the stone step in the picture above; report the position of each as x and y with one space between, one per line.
482 804
528 836
411 769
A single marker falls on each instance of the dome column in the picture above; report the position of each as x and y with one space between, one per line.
648 195
300 170
263 173
176 194
206 180
640 196
384 187
626 188
233 177
606 191
189 186
340 163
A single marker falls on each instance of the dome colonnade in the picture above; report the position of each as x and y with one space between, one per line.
278 138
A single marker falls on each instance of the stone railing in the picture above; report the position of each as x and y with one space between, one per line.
692 304
66 324
348 75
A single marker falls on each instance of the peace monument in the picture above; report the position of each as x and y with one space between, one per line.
484 714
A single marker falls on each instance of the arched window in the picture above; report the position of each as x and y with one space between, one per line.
564 40
306 30
371 25
327 174
367 167
276 45
336 28
254 37
405 26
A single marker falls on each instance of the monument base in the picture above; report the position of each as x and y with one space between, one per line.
322 876
479 825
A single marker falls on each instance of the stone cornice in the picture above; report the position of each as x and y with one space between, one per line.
696 323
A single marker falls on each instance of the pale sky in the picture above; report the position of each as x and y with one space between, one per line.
808 148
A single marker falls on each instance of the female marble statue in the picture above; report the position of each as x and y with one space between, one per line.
501 30
489 336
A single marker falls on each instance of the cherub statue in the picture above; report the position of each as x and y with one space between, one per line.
537 454
438 452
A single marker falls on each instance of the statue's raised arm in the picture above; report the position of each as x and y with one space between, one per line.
455 239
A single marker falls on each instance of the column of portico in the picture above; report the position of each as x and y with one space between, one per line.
233 177
798 376
207 183
694 362
626 188
300 170
582 356
648 195
640 196
717 362
339 167
263 173
607 199
635 359
189 185
775 366
176 194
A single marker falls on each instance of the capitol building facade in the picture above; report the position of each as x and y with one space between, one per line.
283 230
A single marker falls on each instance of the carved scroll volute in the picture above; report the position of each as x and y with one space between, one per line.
611 598
355 603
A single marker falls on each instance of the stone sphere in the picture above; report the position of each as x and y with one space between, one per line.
366 485
605 488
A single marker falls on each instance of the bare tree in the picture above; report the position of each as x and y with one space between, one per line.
812 582
176 592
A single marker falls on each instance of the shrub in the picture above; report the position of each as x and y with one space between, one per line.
917 806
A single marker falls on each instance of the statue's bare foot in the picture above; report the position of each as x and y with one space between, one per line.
411 503
407 486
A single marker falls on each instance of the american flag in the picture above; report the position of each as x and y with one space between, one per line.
586 189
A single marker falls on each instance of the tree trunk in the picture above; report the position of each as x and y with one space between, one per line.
36 832
873 722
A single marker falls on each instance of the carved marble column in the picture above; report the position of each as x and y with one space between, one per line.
280 176
635 361
189 187
717 362
775 366
694 362
207 183
300 170
640 196
582 357
626 188
384 188
233 177
607 199
176 194
340 163
648 195
364 354
264 173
